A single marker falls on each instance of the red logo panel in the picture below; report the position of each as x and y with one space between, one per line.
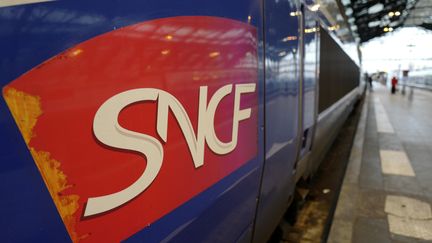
127 126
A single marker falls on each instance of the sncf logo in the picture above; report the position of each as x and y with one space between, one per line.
108 131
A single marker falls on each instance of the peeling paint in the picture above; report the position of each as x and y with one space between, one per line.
26 109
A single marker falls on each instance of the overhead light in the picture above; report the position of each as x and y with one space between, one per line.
289 38
391 14
397 13
76 52
334 27
388 29
315 7
376 8
214 54
311 30
296 13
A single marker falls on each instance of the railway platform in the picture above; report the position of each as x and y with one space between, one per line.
386 194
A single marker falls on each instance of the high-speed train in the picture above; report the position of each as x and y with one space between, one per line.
166 121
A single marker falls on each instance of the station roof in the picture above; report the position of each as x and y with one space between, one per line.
372 18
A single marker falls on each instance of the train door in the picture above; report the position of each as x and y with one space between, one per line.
309 53
282 75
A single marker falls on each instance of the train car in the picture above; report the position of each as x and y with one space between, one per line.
166 121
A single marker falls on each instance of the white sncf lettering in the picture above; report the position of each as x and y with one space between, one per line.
109 132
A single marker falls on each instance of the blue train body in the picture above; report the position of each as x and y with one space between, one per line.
300 105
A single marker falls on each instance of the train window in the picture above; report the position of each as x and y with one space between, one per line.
338 72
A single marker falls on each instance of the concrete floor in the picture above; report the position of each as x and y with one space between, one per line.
386 195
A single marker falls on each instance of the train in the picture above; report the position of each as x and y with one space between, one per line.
166 121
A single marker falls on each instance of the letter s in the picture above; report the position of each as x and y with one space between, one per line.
108 131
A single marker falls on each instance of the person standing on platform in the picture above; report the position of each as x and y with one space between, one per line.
370 82
394 82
